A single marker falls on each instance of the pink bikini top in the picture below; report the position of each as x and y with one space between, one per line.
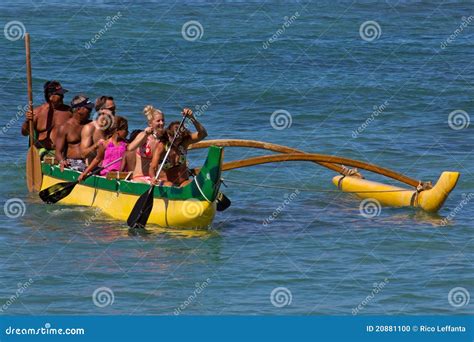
112 153
144 150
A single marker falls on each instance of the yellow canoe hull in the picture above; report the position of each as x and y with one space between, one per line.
188 213
430 200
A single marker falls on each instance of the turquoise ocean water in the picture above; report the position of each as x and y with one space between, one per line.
382 95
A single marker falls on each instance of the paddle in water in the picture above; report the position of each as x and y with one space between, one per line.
141 211
34 178
222 202
58 191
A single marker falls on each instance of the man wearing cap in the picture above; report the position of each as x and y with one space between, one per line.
98 129
48 117
68 141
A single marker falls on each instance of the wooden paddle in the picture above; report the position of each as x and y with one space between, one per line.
58 191
34 178
222 202
141 211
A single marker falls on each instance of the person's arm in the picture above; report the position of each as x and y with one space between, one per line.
87 143
61 143
25 127
94 163
158 155
139 139
200 133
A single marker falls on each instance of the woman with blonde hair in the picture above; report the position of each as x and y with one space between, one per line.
144 154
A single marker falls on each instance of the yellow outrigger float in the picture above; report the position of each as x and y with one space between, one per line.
429 199
422 195
192 206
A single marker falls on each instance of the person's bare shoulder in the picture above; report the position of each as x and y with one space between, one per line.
88 128
41 110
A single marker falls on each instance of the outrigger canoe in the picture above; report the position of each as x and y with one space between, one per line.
192 206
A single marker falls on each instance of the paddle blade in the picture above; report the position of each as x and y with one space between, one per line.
34 178
57 192
222 202
141 211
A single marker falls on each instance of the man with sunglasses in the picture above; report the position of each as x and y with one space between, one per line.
99 128
68 142
48 117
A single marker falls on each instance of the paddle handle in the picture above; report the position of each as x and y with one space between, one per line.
168 152
30 85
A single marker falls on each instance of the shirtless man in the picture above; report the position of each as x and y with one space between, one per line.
68 141
48 117
98 129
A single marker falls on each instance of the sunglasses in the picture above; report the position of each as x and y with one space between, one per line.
112 109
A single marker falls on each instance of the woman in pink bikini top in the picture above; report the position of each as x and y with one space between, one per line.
111 151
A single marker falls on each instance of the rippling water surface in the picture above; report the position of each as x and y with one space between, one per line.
319 248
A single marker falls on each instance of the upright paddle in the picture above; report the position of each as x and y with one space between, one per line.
34 178
58 191
141 211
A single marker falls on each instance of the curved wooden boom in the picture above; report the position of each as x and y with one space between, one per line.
262 145
297 155
319 158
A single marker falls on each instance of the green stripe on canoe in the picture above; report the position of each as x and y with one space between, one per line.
208 179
